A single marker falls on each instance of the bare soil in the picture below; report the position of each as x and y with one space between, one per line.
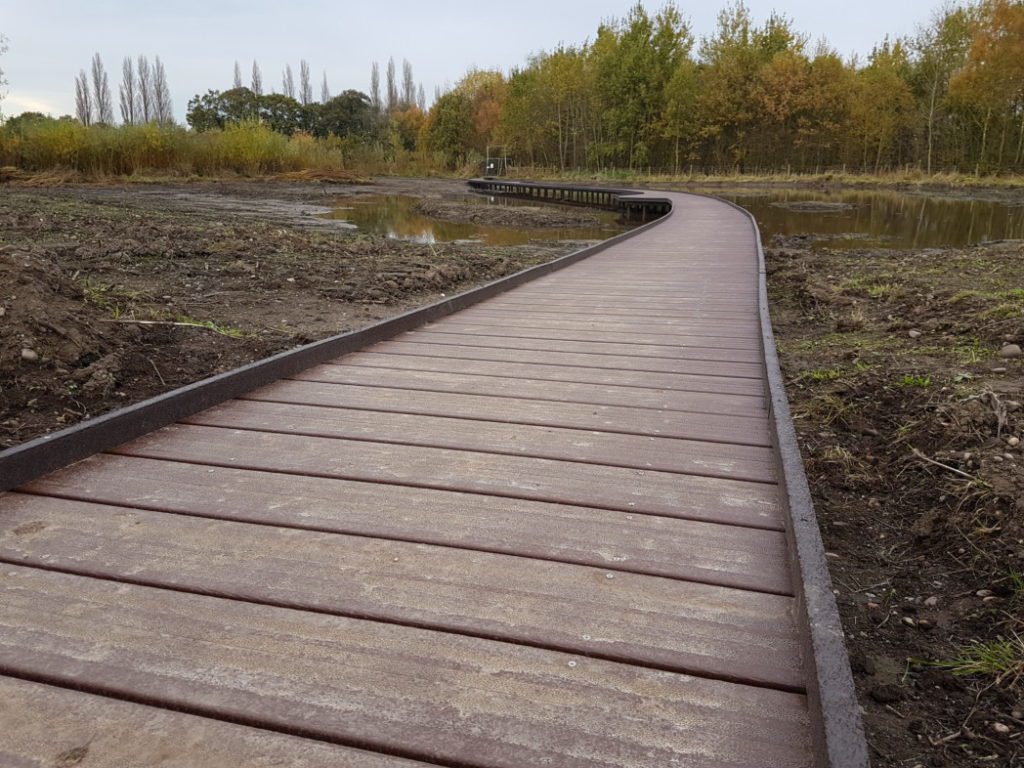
910 423
533 216
110 295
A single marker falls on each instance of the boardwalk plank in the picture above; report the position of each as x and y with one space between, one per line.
739 462
751 559
694 628
632 490
591 394
48 726
412 692
742 430
603 376
639 365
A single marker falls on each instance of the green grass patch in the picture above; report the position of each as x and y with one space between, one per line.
912 380
1001 660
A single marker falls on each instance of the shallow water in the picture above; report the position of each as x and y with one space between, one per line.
395 216
882 219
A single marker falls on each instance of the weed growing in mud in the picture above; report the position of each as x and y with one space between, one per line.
119 301
914 380
1001 660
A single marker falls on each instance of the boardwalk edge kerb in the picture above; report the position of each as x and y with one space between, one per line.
831 692
36 458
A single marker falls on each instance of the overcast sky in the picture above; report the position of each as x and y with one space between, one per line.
199 40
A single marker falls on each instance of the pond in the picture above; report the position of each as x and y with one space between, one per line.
880 219
396 216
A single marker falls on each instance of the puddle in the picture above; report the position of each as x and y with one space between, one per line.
395 216
853 219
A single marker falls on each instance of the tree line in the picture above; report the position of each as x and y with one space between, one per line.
144 94
759 97
645 94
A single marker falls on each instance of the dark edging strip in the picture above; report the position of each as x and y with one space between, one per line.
48 453
832 698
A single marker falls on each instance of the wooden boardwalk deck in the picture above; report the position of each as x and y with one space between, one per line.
547 530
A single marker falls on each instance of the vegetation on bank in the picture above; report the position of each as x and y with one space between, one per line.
644 97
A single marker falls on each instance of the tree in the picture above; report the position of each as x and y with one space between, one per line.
163 110
421 98
392 88
3 80
288 82
145 78
257 79
991 83
408 86
129 93
349 115
375 86
305 84
103 105
882 105
237 82
941 49
449 127
325 90
83 99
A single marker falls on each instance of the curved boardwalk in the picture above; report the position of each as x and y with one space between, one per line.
547 530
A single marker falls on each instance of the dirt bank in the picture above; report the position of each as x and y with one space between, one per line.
111 295
533 216
910 422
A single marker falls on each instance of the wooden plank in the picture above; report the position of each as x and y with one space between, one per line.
552 391
567 373
683 549
698 629
652 318
410 692
728 331
732 502
588 347
639 365
668 340
664 454
742 430
48 726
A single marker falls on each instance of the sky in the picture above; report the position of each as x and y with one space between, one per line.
199 42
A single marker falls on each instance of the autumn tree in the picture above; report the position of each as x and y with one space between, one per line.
990 86
449 127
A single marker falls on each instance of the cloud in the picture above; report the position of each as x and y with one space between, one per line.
15 103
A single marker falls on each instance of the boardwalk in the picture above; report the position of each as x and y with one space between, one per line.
547 530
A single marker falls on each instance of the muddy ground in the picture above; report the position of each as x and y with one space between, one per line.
911 423
112 294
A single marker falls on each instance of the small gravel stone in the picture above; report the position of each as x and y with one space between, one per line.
984 593
1013 442
932 601
1000 728
914 334
1011 351
29 355
998 370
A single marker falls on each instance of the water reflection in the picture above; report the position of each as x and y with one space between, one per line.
395 216
883 219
